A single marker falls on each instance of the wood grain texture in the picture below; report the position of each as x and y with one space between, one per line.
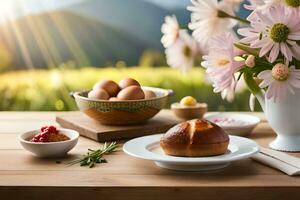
94 130
23 176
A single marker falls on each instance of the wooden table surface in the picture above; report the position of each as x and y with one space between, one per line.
23 176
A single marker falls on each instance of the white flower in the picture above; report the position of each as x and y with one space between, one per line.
229 92
182 53
170 30
235 4
279 81
205 20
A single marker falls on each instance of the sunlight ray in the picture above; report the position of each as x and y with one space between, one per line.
40 41
79 55
49 41
22 44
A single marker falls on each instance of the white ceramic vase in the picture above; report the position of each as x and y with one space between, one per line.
284 118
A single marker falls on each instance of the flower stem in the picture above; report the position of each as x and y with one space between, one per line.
223 14
251 83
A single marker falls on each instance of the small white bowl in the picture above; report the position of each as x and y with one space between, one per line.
49 149
239 130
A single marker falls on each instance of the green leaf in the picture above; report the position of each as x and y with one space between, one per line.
244 47
91 164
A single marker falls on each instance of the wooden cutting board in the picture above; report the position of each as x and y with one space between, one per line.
92 129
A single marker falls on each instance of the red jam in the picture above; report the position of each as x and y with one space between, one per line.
49 134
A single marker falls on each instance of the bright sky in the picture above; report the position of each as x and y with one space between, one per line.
13 8
10 9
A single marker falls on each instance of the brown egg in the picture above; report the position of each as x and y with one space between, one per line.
111 87
131 93
98 94
149 94
114 99
126 82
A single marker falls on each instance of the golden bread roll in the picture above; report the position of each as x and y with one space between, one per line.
195 138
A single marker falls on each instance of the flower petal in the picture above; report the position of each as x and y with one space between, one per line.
274 53
267 74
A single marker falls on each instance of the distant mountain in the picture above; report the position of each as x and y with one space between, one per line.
57 37
140 18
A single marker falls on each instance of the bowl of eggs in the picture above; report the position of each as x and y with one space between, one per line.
123 103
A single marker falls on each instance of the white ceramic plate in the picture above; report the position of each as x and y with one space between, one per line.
239 130
148 148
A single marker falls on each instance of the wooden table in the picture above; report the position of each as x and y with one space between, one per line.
22 176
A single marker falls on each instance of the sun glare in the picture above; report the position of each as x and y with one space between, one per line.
8 10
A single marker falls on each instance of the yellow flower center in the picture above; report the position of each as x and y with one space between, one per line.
280 72
187 52
279 32
293 3
223 62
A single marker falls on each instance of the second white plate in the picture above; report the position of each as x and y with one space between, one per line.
244 130
148 148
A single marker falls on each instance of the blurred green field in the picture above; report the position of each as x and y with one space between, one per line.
48 90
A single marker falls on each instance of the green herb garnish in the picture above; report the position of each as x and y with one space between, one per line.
95 156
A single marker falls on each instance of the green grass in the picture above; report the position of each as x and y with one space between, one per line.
48 90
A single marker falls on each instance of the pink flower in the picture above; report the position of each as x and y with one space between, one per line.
261 4
279 81
254 4
273 32
220 63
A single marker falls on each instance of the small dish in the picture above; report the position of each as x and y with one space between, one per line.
148 148
49 149
189 112
243 126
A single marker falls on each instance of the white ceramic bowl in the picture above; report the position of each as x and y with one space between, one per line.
49 149
250 123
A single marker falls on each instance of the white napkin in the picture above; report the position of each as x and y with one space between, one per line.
278 160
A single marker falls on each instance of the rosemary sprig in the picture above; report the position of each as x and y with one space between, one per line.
95 156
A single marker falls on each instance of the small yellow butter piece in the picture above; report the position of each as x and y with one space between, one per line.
188 101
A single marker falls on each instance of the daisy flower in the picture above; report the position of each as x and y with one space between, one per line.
182 53
264 5
254 4
170 30
279 81
273 32
205 20
220 63
235 4
229 92
261 4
